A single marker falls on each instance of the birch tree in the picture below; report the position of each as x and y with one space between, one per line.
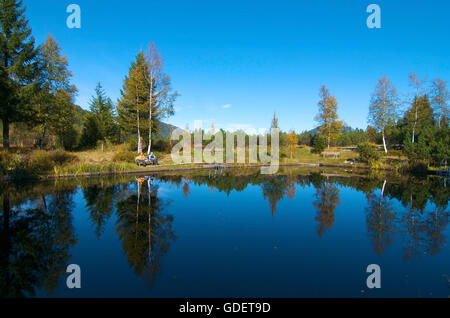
440 98
417 85
383 110
160 95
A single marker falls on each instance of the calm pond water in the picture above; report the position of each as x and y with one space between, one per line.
226 234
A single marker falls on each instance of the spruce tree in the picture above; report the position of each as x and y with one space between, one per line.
147 97
419 116
17 65
103 109
274 124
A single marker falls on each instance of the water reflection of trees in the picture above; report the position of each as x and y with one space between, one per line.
381 225
274 189
99 200
144 228
421 231
36 231
35 242
327 200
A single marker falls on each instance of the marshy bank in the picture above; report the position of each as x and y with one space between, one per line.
29 163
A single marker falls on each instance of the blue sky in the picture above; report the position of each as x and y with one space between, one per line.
235 62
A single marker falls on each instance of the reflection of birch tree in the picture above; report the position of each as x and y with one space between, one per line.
414 227
145 231
435 225
380 221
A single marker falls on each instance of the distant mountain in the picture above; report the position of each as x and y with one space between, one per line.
79 115
166 129
346 128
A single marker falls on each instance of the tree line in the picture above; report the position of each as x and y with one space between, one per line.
37 96
418 124
37 93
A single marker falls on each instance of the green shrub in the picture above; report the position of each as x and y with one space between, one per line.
124 156
61 157
132 144
45 161
4 162
419 151
162 145
368 154
318 143
91 132
71 138
416 168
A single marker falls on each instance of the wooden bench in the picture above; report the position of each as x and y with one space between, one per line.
331 154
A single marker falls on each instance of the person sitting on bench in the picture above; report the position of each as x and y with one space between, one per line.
140 160
152 158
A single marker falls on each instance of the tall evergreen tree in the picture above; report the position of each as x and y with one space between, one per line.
133 105
54 108
274 124
383 110
17 65
103 109
330 127
420 115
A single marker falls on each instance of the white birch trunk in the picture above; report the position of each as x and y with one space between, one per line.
150 117
138 126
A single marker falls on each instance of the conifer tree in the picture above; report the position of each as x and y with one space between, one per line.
91 131
17 66
102 108
274 123
420 115
146 98
133 105
54 108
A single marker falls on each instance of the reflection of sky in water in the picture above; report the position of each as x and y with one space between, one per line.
260 239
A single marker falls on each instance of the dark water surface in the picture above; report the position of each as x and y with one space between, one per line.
226 234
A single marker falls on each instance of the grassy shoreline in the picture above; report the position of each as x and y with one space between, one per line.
186 167
30 163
